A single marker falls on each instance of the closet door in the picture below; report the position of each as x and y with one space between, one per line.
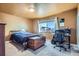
2 41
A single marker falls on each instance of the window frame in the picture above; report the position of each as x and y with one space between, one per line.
48 20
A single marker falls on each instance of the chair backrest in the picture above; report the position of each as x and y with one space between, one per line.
59 35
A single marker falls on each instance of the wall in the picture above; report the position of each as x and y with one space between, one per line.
70 21
78 25
15 23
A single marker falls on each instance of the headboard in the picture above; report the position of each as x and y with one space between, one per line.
13 31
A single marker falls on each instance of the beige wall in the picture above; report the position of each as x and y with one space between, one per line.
78 25
70 21
15 23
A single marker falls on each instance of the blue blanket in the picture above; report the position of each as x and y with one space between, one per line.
21 37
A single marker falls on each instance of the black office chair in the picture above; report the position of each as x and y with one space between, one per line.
58 39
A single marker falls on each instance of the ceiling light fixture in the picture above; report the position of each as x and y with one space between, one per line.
31 9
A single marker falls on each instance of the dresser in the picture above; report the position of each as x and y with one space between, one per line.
2 37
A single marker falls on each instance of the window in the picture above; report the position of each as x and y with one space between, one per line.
45 26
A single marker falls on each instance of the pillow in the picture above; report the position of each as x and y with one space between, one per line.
23 30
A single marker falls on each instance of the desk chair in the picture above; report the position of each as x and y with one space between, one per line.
58 39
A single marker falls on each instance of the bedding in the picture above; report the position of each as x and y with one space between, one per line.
21 37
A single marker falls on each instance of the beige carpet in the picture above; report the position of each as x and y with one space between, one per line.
47 50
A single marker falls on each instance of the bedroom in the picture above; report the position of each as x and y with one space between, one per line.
28 17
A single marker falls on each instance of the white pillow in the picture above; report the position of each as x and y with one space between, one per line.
23 30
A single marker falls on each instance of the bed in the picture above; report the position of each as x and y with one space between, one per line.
22 37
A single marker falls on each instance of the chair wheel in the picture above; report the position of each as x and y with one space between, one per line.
65 49
60 50
53 47
25 48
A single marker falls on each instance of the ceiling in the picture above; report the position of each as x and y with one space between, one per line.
40 9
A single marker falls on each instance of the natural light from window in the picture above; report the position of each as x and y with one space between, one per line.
47 26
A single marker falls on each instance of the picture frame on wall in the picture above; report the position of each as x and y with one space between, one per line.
61 22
